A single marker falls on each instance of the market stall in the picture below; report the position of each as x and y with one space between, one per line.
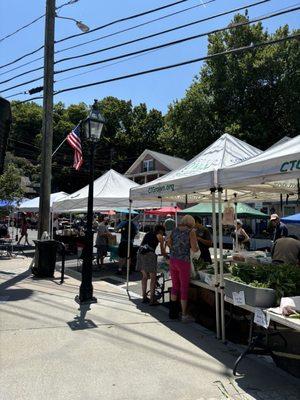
192 183
278 166
33 204
291 219
111 191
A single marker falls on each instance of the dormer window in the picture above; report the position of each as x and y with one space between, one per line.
148 165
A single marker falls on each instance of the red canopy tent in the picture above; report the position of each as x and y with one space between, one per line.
163 211
109 212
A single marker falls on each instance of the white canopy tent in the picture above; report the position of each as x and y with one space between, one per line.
33 204
278 168
279 163
199 173
111 190
199 176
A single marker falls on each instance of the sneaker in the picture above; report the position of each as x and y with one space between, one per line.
187 319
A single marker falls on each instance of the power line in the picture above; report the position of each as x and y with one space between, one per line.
22 74
271 15
26 26
134 27
22 65
192 61
22 27
159 33
21 57
16 94
209 57
93 40
99 68
125 19
22 84
179 41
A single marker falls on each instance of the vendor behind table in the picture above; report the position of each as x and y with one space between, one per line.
286 250
204 240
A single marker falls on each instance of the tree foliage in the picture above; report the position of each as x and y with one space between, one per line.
10 184
253 95
128 130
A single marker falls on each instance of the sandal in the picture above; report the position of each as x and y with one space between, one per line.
145 300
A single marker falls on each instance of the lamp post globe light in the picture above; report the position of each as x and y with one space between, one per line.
92 128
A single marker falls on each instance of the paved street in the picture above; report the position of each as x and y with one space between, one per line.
118 349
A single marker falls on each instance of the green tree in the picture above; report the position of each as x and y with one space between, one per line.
253 95
10 184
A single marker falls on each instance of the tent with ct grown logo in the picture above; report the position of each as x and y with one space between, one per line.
279 163
199 173
186 184
238 168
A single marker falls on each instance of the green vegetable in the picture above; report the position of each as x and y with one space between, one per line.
295 316
283 278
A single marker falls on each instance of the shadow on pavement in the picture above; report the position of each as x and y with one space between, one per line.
16 279
80 322
15 294
256 375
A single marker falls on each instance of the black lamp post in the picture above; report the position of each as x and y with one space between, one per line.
92 127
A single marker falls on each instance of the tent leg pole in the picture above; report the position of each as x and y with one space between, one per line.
221 263
52 220
128 246
236 247
214 224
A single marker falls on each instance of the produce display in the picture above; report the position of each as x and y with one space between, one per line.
284 279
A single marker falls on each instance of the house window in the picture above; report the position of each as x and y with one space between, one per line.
148 165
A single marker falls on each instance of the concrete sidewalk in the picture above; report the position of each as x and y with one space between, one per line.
117 349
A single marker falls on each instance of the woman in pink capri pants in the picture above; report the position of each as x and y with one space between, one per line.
182 240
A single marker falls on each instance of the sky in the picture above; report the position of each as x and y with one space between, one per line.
157 90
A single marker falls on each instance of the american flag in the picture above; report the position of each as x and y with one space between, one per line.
74 141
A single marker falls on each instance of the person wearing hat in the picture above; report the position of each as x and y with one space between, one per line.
169 224
280 229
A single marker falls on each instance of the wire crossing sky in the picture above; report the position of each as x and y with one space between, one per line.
156 90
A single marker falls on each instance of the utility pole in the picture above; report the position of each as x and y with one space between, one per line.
47 128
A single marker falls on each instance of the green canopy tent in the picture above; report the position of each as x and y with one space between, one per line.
243 210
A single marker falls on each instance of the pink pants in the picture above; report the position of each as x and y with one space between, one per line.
180 274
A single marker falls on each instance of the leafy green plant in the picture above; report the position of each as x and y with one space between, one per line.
283 278
199 264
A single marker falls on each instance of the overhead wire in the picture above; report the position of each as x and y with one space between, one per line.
22 57
133 27
26 26
183 63
177 65
22 27
103 67
161 46
178 27
134 16
97 28
175 42
109 35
